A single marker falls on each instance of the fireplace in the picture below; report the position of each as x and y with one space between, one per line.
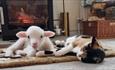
20 14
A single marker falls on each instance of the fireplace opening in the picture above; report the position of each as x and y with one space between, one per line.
27 11
20 14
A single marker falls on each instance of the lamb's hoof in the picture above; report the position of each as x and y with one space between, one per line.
19 52
40 53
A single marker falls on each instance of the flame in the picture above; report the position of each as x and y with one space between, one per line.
25 18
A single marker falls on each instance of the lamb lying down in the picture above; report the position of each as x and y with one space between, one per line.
33 42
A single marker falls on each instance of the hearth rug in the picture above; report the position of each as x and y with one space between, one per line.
27 61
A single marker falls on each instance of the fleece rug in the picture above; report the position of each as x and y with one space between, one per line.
26 61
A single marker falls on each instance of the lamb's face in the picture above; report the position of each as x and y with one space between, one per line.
35 35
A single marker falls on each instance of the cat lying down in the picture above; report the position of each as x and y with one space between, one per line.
86 48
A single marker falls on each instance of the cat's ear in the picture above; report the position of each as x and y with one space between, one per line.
93 41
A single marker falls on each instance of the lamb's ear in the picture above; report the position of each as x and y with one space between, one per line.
49 33
21 34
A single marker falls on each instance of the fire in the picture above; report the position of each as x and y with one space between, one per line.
25 18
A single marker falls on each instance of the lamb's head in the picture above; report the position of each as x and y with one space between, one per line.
35 35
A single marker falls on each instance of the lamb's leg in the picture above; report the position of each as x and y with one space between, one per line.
44 53
52 48
50 45
40 53
29 50
17 45
49 48
31 53
20 52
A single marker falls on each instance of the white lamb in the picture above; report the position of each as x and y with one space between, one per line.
33 42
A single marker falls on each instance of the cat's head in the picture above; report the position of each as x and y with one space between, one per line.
93 52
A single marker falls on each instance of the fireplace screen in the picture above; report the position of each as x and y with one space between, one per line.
27 12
